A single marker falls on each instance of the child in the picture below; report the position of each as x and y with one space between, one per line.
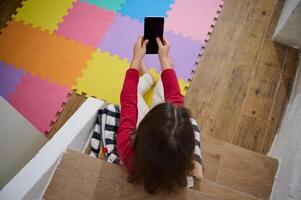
159 153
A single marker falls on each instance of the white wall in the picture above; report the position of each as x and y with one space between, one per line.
19 141
288 30
33 179
287 148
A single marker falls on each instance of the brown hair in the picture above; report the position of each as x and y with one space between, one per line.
163 149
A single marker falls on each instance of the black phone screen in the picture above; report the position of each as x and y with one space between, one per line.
153 27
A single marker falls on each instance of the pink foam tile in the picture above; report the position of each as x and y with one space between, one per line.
86 23
193 18
38 100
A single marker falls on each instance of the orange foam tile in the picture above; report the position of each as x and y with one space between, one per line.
46 55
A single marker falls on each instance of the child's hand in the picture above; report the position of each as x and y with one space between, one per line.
139 52
197 170
163 54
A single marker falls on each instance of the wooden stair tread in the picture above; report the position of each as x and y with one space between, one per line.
237 168
79 176
221 192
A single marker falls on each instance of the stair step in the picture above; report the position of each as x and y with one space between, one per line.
221 192
237 168
79 176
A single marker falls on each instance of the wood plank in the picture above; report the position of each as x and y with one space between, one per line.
229 110
212 150
262 91
250 132
273 54
249 47
7 9
259 17
248 172
74 102
255 27
257 137
235 11
261 9
221 192
291 63
278 109
275 17
244 131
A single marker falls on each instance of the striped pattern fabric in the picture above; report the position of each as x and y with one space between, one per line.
104 137
197 143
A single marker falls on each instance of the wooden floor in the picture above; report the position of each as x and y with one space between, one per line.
243 81
7 9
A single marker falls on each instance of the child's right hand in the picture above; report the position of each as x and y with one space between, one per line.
163 53
139 52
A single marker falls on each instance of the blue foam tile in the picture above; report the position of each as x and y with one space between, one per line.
113 5
138 9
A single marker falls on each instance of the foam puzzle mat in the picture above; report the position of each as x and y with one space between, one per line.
50 48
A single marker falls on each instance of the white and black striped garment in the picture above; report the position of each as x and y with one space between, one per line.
104 135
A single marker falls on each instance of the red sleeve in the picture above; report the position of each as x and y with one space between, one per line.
172 92
128 116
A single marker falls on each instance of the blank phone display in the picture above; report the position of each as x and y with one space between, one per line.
153 27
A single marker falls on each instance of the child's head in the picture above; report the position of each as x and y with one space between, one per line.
163 149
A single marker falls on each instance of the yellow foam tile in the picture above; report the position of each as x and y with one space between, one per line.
103 77
183 85
46 14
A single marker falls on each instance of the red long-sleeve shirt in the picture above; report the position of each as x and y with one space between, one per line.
129 110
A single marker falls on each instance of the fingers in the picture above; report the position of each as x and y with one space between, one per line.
139 40
159 42
144 44
166 42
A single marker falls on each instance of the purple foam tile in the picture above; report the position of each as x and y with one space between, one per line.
121 36
9 78
152 61
184 53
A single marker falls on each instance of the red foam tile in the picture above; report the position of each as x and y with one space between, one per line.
38 100
86 23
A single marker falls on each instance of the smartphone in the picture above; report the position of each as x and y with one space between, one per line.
153 27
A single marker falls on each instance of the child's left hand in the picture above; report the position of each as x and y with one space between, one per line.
197 171
139 52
